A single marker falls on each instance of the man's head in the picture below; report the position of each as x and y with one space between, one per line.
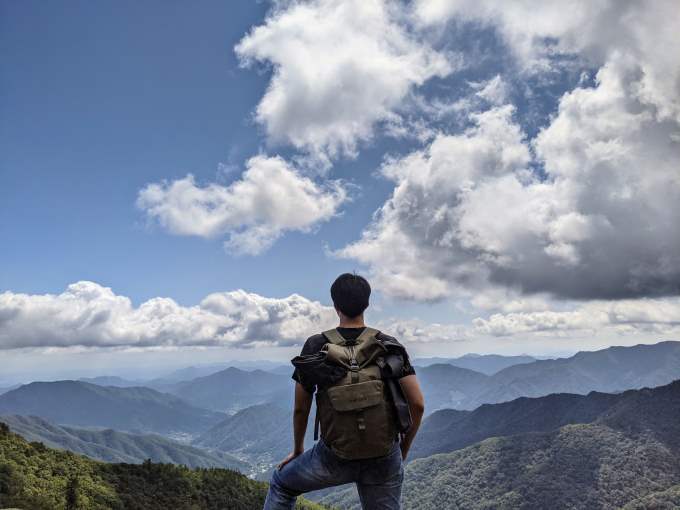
350 293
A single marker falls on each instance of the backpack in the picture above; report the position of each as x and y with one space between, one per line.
356 413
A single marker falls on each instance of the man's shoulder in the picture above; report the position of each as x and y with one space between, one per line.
314 343
388 339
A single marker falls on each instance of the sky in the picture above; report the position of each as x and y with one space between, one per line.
180 182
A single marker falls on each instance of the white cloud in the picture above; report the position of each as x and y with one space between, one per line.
415 331
626 320
89 315
657 316
468 214
270 198
494 91
537 32
340 67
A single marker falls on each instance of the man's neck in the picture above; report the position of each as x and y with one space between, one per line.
357 322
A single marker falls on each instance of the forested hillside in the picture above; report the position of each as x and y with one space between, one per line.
261 434
449 429
35 477
113 446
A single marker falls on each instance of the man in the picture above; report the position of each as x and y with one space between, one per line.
378 479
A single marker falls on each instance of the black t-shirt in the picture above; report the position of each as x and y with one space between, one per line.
315 342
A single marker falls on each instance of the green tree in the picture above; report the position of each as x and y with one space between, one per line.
72 496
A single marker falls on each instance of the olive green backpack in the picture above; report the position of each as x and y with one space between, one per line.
356 414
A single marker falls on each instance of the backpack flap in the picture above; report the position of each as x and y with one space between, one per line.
354 397
336 354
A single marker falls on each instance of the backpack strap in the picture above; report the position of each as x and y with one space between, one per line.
334 337
367 333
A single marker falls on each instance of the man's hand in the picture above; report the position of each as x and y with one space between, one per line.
416 405
403 446
288 458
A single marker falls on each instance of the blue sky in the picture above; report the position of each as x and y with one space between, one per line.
102 100
485 252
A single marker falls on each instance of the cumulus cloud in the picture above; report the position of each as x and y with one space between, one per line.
470 213
657 316
416 331
89 315
638 319
339 68
270 198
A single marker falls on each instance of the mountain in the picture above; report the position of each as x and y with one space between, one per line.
135 409
113 446
36 477
5 389
261 434
448 429
609 370
194 372
487 364
628 456
446 385
111 380
186 374
286 370
233 389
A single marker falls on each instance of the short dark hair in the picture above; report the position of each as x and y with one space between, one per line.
350 293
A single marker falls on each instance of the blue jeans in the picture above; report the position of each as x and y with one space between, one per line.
378 480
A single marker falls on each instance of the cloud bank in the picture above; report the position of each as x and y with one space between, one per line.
90 315
270 198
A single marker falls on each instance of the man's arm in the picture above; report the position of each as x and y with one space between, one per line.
416 404
303 403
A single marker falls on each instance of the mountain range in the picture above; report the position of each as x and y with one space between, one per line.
487 364
233 389
608 370
136 409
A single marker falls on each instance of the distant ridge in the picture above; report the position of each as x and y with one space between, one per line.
111 380
136 409
449 386
245 388
487 364
609 370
